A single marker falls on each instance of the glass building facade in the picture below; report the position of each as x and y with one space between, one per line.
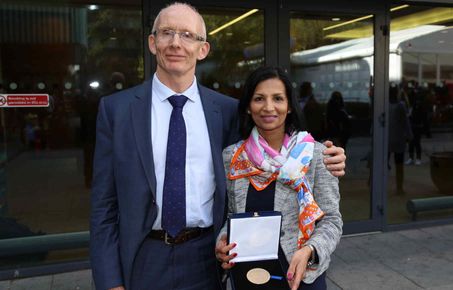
390 62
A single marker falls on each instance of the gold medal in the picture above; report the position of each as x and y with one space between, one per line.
258 276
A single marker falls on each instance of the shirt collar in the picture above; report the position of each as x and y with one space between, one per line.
163 92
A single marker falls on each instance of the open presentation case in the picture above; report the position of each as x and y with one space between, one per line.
257 235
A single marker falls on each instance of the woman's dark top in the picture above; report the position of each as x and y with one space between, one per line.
260 200
264 201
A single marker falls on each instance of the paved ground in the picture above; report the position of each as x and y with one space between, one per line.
410 259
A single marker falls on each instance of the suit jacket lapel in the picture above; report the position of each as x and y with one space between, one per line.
213 117
141 123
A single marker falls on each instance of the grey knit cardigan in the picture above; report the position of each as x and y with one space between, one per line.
328 229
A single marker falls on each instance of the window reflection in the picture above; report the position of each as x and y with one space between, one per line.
236 49
421 67
76 54
332 68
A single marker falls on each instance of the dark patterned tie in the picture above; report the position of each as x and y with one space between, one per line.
174 193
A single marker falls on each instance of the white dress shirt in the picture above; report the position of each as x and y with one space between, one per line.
200 179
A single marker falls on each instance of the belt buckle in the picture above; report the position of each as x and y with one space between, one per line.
166 239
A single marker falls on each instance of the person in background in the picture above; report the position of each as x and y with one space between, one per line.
306 92
312 112
337 120
418 115
399 133
278 166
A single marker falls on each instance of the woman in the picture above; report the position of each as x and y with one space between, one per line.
399 133
279 167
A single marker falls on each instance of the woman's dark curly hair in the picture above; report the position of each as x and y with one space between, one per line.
293 120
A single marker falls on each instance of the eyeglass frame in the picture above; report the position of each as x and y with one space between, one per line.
174 32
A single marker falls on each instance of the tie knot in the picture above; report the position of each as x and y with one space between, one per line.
177 101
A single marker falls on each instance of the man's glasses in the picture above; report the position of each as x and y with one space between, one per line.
166 35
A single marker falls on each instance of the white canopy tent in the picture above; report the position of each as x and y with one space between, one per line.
408 45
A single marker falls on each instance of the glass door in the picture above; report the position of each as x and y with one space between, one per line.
75 53
333 67
420 114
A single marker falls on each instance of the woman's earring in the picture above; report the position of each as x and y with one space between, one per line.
248 112
289 111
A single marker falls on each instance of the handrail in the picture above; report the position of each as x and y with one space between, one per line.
44 243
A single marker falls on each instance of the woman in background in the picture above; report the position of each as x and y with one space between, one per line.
399 133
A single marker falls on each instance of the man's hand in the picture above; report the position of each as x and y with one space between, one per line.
118 288
336 163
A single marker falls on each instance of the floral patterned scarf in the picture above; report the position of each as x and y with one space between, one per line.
254 159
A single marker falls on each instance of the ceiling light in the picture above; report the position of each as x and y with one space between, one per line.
13 86
399 7
430 16
233 21
360 18
347 22
93 7
94 84
336 19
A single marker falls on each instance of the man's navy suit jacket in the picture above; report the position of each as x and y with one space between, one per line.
124 184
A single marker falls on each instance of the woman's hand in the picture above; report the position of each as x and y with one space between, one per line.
221 252
297 267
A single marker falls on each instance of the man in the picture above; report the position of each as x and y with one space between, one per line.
148 168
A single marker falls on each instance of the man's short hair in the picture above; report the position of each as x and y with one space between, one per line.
203 25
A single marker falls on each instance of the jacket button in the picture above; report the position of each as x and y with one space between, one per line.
154 201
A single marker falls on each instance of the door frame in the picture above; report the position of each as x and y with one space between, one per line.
378 198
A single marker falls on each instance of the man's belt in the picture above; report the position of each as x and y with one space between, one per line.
183 236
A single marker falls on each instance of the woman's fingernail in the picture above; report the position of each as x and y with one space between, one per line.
289 276
234 245
235 254
232 263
